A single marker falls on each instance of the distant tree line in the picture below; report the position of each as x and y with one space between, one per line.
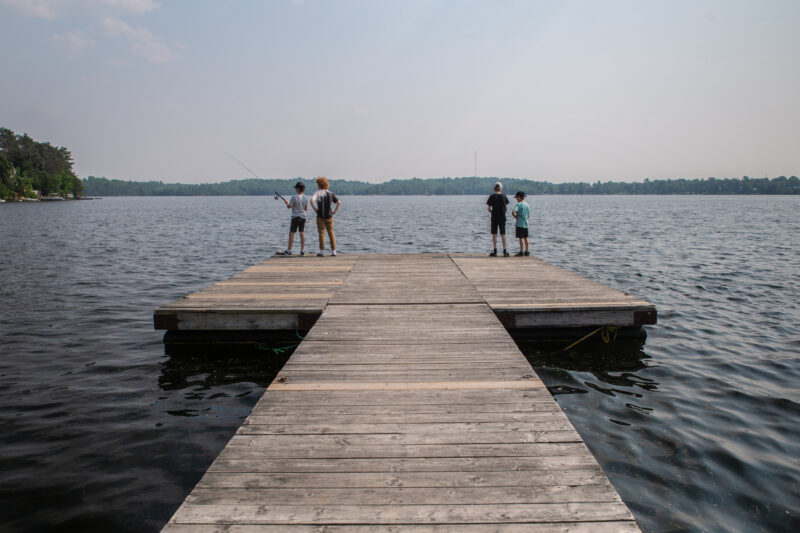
27 166
94 186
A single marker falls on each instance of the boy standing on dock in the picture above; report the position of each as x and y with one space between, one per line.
322 201
498 203
521 212
299 205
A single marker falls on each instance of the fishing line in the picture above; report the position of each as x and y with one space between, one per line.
244 166
277 195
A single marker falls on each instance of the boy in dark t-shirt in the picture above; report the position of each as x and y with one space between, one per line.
498 203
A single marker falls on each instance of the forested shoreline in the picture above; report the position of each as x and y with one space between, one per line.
29 169
94 186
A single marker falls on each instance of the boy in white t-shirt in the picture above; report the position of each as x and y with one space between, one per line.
299 205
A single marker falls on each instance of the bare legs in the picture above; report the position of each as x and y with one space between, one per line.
302 241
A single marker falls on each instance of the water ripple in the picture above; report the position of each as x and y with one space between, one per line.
698 429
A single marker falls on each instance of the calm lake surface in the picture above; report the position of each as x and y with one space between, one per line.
698 428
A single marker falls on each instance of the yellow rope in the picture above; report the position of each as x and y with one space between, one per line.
605 334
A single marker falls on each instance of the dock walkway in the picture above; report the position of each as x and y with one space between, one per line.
407 407
530 296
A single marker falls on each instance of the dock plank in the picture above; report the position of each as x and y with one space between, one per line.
407 406
541 296
554 527
401 514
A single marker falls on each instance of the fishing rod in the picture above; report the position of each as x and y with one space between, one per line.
244 166
277 195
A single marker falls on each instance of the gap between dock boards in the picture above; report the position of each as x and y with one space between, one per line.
407 407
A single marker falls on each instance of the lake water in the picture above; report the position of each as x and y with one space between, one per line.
698 427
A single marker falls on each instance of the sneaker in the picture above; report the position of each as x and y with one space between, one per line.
505 253
321 253
302 252
493 254
333 253
287 252
519 254
527 253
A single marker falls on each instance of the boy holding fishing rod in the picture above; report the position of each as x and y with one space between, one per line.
299 205
498 203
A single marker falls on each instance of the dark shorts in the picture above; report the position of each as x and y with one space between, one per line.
498 224
522 233
298 223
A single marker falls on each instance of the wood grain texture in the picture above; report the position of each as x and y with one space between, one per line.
533 293
407 407
519 527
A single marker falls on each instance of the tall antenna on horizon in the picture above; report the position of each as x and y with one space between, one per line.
475 175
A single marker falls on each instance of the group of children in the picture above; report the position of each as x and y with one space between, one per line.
323 200
498 203
322 203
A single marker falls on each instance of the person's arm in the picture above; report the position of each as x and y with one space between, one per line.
338 204
288 206
514 212
313 205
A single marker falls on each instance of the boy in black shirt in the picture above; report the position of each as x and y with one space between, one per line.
498 203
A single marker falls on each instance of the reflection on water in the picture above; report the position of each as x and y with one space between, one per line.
612 365
205 369
591 356
670 465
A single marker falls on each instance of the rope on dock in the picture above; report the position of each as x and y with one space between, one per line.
281 349
606 333
277 351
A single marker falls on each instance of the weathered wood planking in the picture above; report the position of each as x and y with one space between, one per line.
279 294
585 527
286 293
407 407
527 292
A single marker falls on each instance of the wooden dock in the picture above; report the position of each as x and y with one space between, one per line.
407 407
529 296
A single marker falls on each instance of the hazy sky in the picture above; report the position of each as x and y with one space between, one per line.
374 90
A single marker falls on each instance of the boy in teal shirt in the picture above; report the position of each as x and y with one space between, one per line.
522 212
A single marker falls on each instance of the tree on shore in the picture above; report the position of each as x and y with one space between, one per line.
27 165
98 186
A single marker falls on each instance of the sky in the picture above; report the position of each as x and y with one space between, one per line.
376 89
